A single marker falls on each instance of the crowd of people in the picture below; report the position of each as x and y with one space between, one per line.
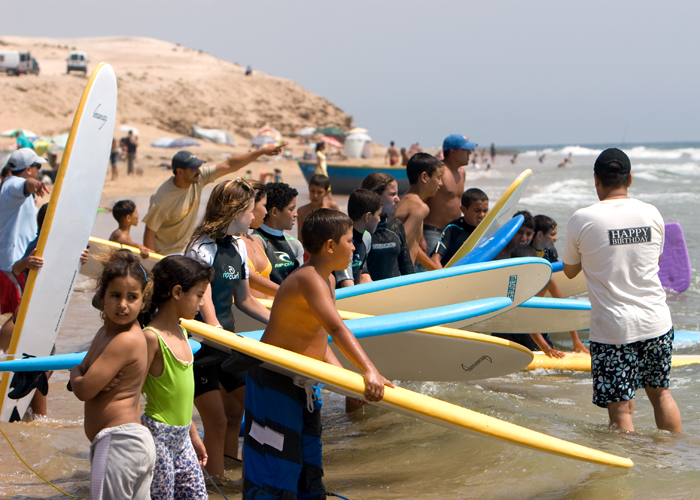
241 249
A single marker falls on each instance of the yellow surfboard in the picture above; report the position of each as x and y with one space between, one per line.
498 215
99 247
579 362
401 400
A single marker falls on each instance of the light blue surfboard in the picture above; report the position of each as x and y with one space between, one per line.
491 246
685 337
540 315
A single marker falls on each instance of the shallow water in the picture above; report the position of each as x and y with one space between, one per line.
383 455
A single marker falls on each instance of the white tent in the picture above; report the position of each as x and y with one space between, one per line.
356 145
214 135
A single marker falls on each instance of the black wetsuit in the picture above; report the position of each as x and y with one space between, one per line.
285 252
358 266
454 235
390 256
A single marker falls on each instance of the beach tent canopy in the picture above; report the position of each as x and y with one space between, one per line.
163 142
125 129
357 130
169 142
330 131
217 135
12 132
307 131
358 137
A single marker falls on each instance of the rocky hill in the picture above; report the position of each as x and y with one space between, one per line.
162 86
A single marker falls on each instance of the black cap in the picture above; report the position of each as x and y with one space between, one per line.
185 159
613 161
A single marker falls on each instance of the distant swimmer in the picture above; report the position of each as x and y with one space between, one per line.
542 157
493 153
392 154
618 242
424 173
514 158
404 157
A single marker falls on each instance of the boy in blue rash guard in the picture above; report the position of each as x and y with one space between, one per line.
475 206
364 209
285 252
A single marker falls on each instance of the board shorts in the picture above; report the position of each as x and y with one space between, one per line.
282 444
122 460
208 378
11 287
432 235
393 160
113 158
619 369
177 473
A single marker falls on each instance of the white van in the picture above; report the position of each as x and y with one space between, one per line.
15 63
77 61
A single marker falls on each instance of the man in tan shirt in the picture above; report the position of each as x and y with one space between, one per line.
172 212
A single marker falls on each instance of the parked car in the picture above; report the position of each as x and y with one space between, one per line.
15 63
77 61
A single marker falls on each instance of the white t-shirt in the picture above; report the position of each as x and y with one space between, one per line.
204 249
17 221
618 243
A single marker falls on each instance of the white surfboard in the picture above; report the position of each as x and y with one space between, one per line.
540 315
498 215
99 248
567 287
71 213
518 279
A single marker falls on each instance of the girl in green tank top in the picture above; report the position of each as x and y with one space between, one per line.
179 285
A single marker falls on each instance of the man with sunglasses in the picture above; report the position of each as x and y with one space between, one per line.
18 225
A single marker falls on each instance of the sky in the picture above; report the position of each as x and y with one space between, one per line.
512 72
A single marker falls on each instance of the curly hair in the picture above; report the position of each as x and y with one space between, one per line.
227 201
279 195
119 264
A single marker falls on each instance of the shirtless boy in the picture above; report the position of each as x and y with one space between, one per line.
109 381
424 173
392 154
319 187
444 206
126 215
282 445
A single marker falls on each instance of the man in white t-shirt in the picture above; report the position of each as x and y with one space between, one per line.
618 242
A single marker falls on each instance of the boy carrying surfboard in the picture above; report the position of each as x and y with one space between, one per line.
282 445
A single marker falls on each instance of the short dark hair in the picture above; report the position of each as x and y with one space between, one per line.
320 145
529 221
612 180
259 189
446 153
123 208
419 163
524 251
321 225
320 180
178 270
279 195
544 224
471 195
362 201
377 182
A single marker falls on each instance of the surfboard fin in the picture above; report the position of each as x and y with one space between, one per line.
24 382
14 417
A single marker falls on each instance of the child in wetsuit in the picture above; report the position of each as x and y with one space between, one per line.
364 208
283 422
474 207
109 380
229 211
389 256
178 291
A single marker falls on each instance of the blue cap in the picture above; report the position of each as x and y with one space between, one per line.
456 141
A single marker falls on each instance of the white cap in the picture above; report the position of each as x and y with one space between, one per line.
23 158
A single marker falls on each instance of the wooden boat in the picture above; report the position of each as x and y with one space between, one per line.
346 178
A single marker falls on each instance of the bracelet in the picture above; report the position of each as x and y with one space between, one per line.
219 326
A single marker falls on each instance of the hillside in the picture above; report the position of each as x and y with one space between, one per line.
161 86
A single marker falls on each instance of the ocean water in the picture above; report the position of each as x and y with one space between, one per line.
382 455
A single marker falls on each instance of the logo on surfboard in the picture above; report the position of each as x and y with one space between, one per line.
98 116
477 362
512 283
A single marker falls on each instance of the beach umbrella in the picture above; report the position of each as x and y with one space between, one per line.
10 133
330 131
263 139
126 128
184 142
357 130
358 137
307 131
331 142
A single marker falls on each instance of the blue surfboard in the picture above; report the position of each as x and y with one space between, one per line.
361 328
675 271
491 246
685 337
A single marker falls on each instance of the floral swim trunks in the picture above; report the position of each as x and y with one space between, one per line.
619 369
